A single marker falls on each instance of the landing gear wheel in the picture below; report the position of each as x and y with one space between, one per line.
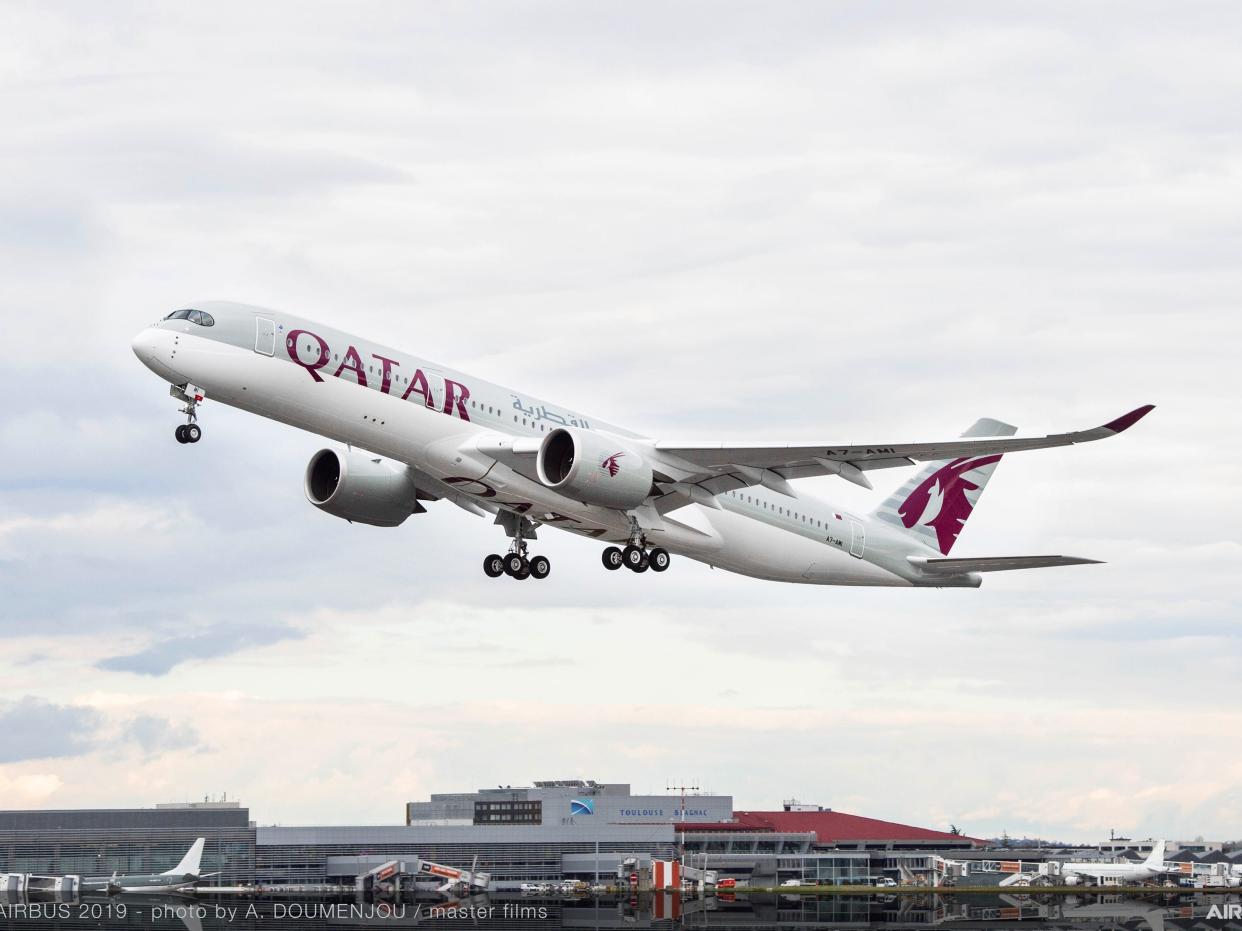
613 558
494 566
193 433
642 566
634 557
515 564
525 573
179 433
540 566
659 559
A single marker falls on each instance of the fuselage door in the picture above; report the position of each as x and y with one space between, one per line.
264 336
858 539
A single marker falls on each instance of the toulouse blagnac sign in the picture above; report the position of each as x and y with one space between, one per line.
586 806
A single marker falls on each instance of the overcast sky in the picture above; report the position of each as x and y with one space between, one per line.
787 221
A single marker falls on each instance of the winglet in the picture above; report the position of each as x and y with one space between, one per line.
1126 421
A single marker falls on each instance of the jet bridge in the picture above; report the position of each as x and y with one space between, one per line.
391 877
699 877
21 885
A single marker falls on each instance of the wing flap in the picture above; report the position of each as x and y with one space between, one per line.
995 563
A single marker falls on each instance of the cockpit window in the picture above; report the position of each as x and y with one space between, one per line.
201 317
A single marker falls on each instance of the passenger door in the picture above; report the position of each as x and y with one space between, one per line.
858 539
264 336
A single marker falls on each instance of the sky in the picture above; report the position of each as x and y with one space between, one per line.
821 222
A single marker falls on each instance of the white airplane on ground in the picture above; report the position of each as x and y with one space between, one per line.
183 877
433 433
1075 872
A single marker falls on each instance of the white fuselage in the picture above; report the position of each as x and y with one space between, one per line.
432 418
1111 872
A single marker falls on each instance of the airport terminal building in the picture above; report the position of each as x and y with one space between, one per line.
100 842
544 832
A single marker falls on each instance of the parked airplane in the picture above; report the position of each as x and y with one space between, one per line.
185 875
433 433
1074 873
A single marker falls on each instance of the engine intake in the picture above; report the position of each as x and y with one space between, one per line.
361 489
594 468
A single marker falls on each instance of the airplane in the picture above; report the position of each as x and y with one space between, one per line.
182 877
1074 873
416 431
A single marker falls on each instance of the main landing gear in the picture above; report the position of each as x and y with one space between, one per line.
190 431
636 557
517 563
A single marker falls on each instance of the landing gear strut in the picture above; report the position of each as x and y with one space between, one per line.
517 563
636 557
190 431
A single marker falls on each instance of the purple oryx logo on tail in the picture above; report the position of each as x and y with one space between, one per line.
611 466
940 501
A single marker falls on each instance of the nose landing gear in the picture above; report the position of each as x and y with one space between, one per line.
188 433
192 395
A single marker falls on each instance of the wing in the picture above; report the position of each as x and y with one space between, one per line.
719 467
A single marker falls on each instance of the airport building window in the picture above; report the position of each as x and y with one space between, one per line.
508 812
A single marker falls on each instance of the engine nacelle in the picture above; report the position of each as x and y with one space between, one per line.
594 468
1071 879
361 489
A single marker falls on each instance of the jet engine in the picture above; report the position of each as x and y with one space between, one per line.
594 468
360 488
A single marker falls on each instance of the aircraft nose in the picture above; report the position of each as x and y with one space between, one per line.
154 349
144 345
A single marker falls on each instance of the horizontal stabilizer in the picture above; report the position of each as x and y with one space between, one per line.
996 563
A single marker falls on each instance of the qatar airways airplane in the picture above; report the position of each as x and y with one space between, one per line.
416 431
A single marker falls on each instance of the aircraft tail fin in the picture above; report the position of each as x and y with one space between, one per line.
189 864
1155 860
934 503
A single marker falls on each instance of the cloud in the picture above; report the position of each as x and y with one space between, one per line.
160 657
35 729
156 735
801 223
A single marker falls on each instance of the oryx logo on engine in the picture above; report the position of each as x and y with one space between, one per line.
610 465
